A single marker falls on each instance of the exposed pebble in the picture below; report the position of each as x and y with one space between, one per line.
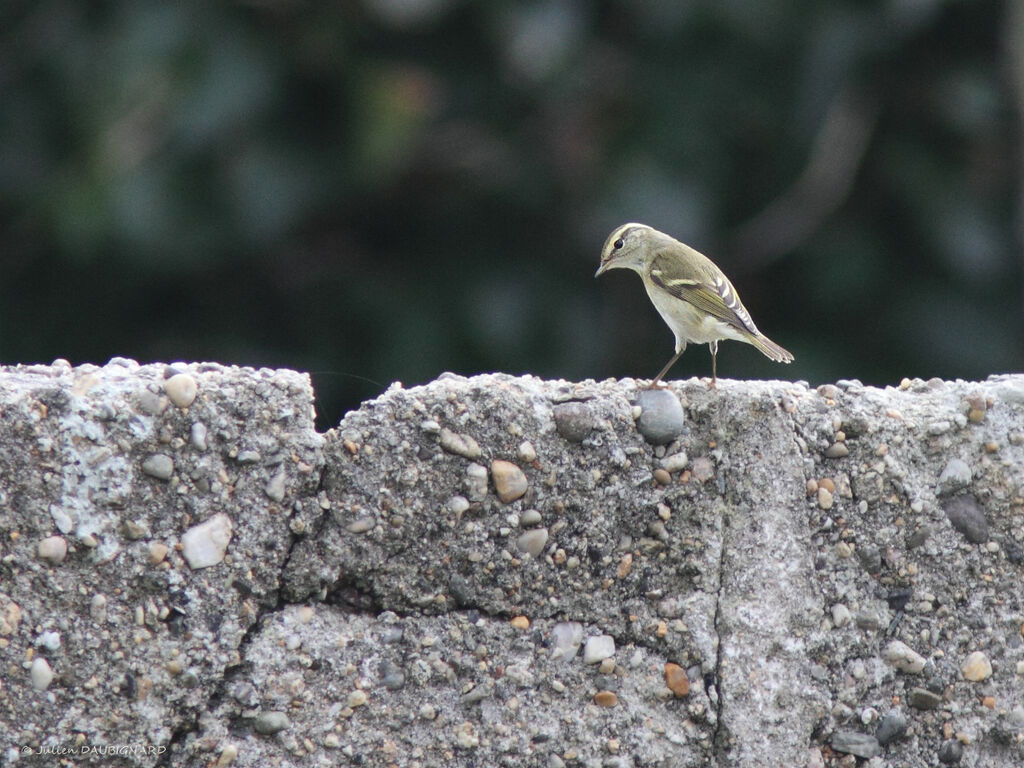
361 525
676 462
574 421
275 487
460 445
840 615
476 482
676 680
904 658
269 723
533 541
530 517
662 477
856 743
519 622
661 415
891 727
357 698
53 549
206 544
922 698
825 499
606 699
227 756
967 517
181 389
951 752
955 476
98 608
566 638
703 469
509 481
526 452
41 673
157 552
197 436
465 736
837 451
598 648
976 667
158 465
50 640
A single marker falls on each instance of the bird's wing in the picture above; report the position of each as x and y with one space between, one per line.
709 291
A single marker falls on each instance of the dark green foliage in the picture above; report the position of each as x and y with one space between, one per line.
386 190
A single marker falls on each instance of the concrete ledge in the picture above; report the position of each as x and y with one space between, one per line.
502 570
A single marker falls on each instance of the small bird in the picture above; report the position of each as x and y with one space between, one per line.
692 295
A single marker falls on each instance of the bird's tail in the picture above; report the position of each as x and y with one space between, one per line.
770 349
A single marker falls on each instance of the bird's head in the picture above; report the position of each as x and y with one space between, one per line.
625 248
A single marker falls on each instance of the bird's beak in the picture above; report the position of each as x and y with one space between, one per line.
601 269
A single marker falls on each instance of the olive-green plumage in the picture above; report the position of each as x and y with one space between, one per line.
693 295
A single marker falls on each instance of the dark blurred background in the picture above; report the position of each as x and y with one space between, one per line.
385 190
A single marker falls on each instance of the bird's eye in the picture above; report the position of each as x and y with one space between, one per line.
617 244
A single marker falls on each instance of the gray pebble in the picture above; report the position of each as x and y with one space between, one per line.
955 476
854 743
275 488
158 465
533 541
918 537
967 517
574 421
870 558
891 727
922 698
197 436
951 751
391 675
248 456
904 658
661 415
837 451
360 525
269 723
529 517
676 462
181 389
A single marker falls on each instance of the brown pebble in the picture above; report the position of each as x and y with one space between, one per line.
991 447
828 484
625 565
520 622
824 498
509 481
662 477
676 680
606 699
837 451
812 487
989 702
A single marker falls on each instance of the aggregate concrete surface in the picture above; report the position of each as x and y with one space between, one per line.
506 571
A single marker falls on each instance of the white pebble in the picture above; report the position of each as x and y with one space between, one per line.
840 615
676 462
53 549
181 389
598 648
904 658
41 674
50 640
205 544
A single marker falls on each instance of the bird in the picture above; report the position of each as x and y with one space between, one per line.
692 295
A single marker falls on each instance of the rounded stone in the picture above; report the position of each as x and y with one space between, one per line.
676 462
904 658
891 727
606 699
205 544
956 475
661 416
951 752
269 723
967 517
158 465
357 698
574 421
533 541
41 674
976 667
676 680
837 451
530 517
509 481
181 389
53 549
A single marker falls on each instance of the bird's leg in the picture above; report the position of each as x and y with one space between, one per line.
664 370
714 361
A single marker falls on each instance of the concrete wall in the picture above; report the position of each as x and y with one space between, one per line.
508 571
